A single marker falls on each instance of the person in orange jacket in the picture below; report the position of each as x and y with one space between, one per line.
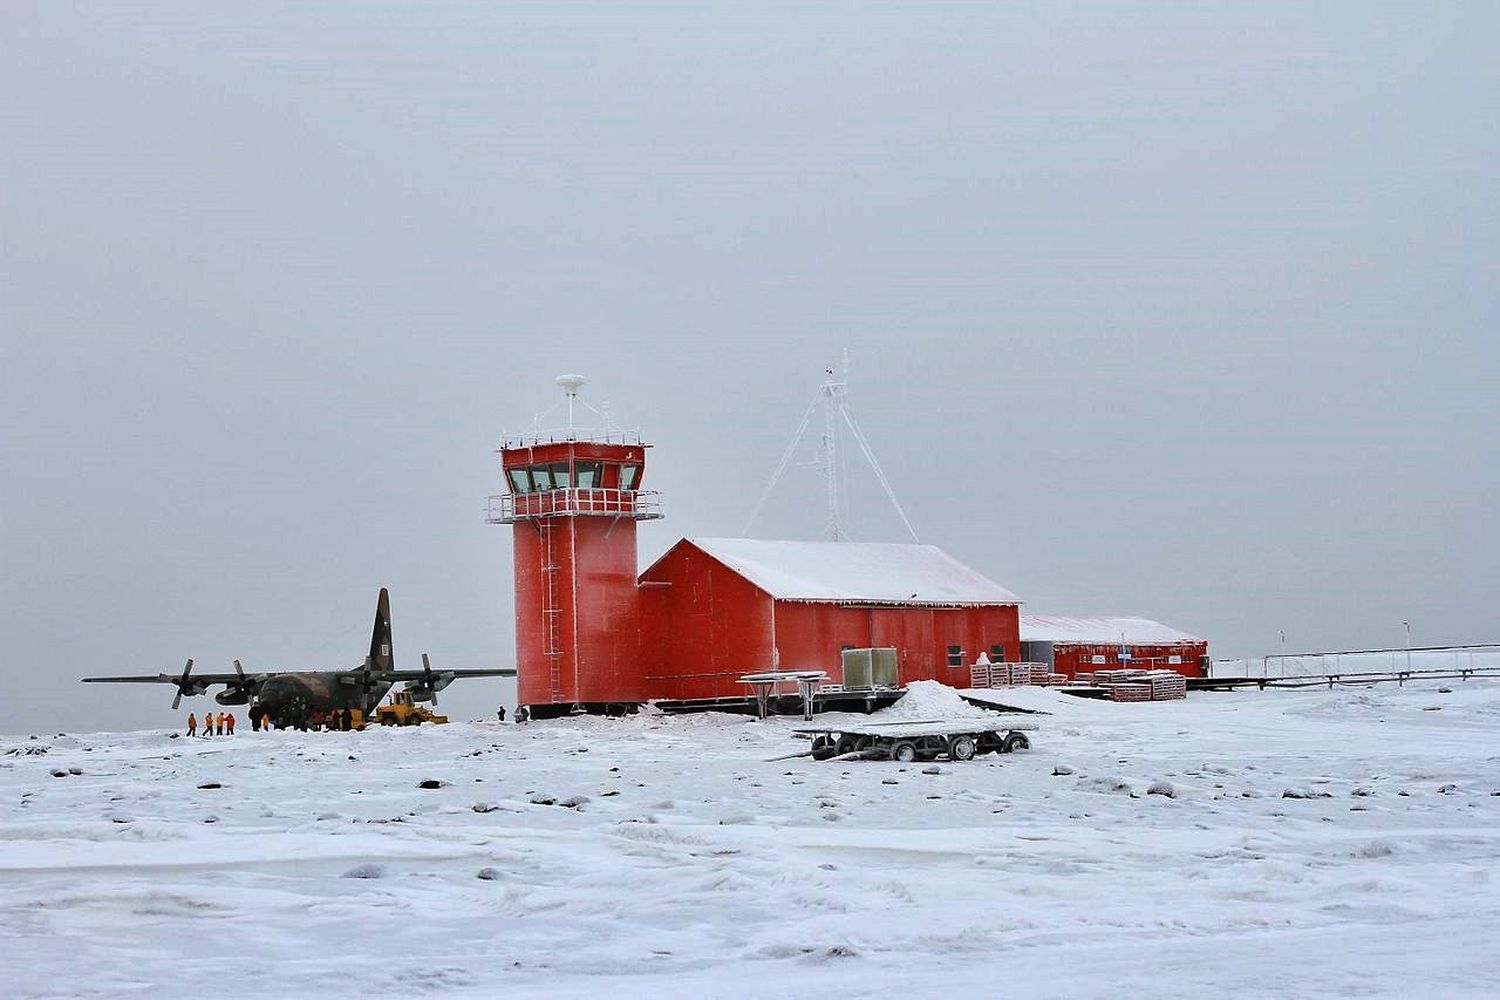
230 722
219 725
192 724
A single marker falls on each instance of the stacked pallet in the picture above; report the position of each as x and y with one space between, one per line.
1083 678
1167 685
994 675
1130 692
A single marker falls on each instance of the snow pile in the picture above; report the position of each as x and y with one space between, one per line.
928 700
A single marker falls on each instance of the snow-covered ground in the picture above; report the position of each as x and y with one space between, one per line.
661 856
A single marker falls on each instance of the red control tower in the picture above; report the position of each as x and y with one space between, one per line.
574 499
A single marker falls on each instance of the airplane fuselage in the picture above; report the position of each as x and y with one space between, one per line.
293 697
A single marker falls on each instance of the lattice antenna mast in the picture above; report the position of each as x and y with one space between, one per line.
834 392
833 397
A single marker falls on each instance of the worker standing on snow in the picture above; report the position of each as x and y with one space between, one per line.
192 724
219 725
230 721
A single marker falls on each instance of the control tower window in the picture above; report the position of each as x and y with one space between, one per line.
588 474
628 474
561 479
520 481
541 477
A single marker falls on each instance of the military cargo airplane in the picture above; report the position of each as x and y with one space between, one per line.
293 697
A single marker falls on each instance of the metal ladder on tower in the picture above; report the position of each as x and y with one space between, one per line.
551 611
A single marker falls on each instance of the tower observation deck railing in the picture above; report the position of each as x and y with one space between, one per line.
537 437
638 505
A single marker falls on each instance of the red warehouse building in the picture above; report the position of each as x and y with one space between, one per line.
1071 645
715 609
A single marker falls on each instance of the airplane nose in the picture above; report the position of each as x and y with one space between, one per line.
275 692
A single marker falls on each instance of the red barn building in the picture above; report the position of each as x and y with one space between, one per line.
1071 645
718 608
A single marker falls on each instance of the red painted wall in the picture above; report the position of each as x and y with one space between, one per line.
811 636
598 623
708 625
1071 659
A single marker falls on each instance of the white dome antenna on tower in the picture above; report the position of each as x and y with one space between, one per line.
570 384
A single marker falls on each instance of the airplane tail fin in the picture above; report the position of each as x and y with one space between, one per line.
381 655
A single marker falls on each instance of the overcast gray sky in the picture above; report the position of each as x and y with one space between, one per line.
1180 311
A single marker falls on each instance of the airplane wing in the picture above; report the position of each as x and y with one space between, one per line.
242 686
424 684
418 675
196 679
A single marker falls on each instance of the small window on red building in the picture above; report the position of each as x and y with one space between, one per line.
997 653
955 656
628 473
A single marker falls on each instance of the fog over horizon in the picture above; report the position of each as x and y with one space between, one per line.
1181 312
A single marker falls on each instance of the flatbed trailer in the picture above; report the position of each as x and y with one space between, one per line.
957 739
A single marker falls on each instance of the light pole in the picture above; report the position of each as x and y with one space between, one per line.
1407 626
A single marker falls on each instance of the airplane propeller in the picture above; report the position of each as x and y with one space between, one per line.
427 680
183 687
367 679
240 692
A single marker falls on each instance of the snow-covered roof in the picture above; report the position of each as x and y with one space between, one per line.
1100 630
857 572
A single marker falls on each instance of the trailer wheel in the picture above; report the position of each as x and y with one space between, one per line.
821 749
846 744
904 751
961 748
1014 742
